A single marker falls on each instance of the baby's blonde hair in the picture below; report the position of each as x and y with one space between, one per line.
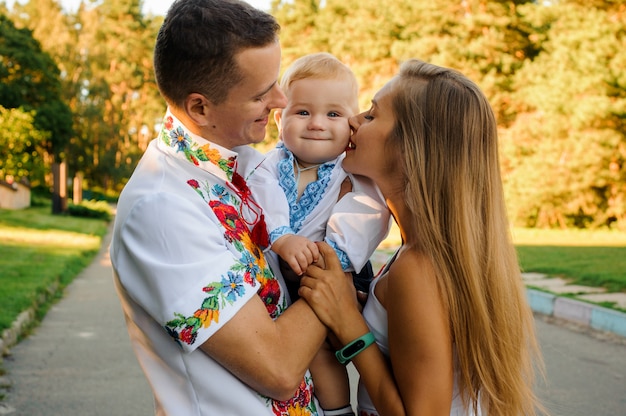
320 65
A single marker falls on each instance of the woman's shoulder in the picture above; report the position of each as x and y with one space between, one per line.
413 284
410 259
411 268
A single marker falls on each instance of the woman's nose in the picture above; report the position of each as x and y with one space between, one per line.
354 122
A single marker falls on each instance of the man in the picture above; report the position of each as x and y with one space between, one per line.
206 314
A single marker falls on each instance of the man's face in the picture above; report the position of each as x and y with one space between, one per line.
242 118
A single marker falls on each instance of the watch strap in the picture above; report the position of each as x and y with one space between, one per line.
353 348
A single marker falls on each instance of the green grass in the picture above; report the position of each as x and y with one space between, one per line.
39 250
592 258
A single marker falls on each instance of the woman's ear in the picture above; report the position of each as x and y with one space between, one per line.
197 108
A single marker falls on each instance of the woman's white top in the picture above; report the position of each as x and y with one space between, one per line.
375 316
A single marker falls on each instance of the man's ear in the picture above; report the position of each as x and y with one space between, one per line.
278 114
197 108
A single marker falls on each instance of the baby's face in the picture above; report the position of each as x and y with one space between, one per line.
314 125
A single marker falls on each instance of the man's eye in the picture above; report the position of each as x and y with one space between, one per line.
368 117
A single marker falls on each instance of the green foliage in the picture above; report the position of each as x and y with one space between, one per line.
21 144
564 154
553 72
104 52
100 194
595 258
91 209
29 79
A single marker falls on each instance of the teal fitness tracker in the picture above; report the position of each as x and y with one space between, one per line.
353 348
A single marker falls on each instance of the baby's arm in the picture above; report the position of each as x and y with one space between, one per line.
298 252
359 222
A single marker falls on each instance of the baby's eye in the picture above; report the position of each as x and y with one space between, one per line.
334 114
302 113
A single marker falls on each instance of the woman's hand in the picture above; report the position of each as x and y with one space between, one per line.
330 291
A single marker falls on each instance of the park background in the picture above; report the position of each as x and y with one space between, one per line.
77 88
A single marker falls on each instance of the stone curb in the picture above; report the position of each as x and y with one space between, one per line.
12 334
583 313
24 320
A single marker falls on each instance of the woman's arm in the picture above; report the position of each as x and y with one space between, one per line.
420 378
420 344
331 295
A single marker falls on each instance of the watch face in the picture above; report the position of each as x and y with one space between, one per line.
353 348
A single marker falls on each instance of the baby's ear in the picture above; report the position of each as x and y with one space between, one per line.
278 114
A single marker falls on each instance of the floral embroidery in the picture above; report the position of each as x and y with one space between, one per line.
176 136
229 217
301 404
233 287
259 227
270 294
248 238
185 329
252 263
251 268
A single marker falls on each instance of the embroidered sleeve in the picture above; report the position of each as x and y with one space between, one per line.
182 271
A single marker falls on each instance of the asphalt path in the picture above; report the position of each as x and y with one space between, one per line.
585 370
79 361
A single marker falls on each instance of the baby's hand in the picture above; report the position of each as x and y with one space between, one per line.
298 252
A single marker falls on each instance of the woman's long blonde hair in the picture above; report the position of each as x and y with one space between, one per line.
447 135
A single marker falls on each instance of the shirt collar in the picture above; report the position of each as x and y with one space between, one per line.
322 167
181 143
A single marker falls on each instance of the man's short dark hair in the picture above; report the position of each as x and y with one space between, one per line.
196 46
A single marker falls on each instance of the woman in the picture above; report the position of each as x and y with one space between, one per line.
453 332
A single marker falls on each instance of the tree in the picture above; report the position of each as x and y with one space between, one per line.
105 55
553 71
119 99
29 79
21 144
565 152
485 39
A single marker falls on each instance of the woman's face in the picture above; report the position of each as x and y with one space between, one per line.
368 153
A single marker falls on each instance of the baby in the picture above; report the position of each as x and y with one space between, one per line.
307 196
